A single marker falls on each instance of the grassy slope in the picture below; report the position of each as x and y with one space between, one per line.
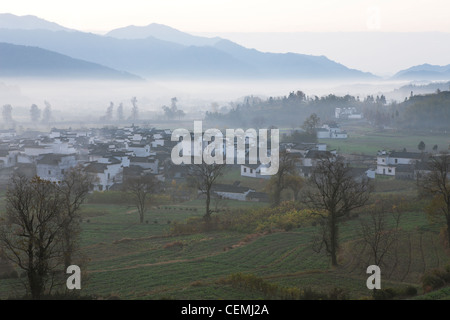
137 261
143 261
366 140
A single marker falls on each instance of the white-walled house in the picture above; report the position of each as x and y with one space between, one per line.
347 113
7 134
147 163
312 157
106 174
303 148
37 150
8 158
139 149
52 167
331 132
387 162
157 143
234 192
251 170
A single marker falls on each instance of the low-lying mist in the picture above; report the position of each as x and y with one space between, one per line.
87 100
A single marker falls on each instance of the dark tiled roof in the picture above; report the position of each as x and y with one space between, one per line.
404 168
142 159
133 171
96 167
317 154
52 159
229 188
262 196
252 166
406 155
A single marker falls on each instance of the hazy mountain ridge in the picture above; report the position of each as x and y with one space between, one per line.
425 72
28 22
162 32
17 61
185 55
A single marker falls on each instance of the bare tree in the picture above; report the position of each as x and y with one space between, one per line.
436 184
47 114
73 190
134 110
7 113
334 193
141 187
376 233
311 123
286 177
120 115
295 184
35 113
109 112
203 176
31 231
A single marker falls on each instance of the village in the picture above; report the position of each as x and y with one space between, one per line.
112 155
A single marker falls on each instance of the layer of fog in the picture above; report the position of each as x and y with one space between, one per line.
88 100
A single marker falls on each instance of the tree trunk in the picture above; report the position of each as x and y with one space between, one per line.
141 216
208 201
333 241
448 229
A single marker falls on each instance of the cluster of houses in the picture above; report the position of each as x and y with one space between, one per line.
347 113
112 154
107 154
331 131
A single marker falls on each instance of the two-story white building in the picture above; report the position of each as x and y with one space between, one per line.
139 149
52 167
105 174
331 132
388 162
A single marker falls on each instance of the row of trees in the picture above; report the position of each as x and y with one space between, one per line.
120 116
170 113
36 114
416 112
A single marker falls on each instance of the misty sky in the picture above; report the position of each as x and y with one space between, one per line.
243 15
242 20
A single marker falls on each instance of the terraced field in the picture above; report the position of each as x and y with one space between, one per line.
123 258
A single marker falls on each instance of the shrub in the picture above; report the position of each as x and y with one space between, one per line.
390 293
410 291
274 291
435 279
384 294
174 244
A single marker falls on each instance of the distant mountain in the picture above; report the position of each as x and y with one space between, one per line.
425 72
179 54
290 64
24 61
11 21
162 32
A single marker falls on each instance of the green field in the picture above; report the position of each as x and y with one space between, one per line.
144 261
367 140
125 259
